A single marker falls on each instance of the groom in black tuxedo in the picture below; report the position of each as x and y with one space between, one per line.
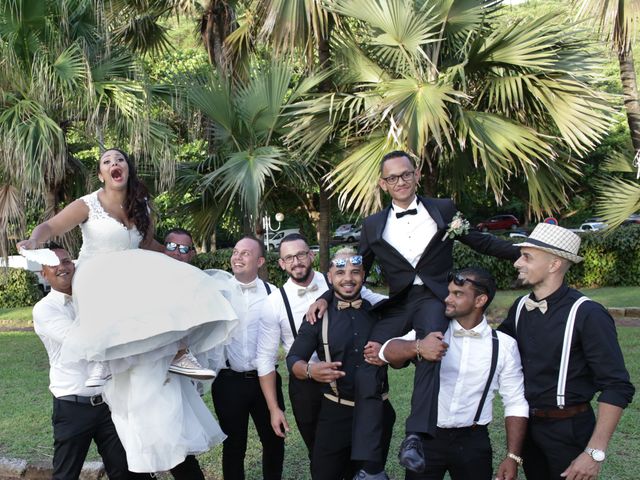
408 240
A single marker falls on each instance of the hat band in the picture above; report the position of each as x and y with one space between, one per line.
547 245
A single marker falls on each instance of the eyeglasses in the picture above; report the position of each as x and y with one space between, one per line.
393 179
342 262
183 249
300 256
459 280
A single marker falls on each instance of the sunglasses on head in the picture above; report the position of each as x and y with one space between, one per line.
183 249
342 262
459 280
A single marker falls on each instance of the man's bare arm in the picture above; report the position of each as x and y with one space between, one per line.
432 348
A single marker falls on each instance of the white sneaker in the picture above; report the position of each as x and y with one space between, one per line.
100 373
189 366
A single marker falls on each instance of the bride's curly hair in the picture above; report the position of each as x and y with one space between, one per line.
137 205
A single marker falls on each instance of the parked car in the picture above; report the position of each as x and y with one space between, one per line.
276 238
499 222
352 234
632 220
590 227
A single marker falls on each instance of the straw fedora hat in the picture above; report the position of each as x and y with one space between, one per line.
554 239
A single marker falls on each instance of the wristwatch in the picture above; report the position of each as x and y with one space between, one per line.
597 455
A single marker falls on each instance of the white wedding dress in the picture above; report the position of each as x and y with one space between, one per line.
134 309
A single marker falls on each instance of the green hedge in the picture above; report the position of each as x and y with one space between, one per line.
610 260
18 288
221 259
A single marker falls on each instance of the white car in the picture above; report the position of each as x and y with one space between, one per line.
349 235
590 227
276 238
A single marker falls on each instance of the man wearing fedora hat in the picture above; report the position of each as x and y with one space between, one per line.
569 351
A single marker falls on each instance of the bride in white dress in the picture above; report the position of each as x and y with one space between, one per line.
136 308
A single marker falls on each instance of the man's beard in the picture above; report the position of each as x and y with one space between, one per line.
301 276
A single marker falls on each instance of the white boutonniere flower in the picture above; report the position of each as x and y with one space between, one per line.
458 226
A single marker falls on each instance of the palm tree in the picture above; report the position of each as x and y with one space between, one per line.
617 20
57 74
436 79
245 121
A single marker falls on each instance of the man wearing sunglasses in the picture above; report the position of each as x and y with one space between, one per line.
338 340
475 363
179 245
412 240
283 313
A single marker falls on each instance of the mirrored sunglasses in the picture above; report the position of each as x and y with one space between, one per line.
342 262
172 246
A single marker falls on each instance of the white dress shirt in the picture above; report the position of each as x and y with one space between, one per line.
52 318
410 234
464 373
241 351
275 328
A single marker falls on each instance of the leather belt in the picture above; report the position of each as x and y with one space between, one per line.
233 373
93 400
559 413
348 403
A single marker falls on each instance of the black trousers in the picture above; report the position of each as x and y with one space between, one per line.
463 452
188 470
551 445
424 312
306 398
75 425
332 449
236 396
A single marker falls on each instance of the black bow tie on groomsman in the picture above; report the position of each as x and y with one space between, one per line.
411 211
353 304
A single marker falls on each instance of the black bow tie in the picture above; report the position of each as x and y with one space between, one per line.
411 211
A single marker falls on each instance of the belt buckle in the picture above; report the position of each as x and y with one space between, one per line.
96 400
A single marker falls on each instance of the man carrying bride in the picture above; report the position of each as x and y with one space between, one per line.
138 310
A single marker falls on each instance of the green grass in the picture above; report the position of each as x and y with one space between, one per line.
25 413
607 296
16 317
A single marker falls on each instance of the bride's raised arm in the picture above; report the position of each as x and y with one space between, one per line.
71 216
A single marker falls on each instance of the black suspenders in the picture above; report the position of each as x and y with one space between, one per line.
287 305
267 287
492 371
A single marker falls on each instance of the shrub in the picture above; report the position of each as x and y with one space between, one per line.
221 259
610 260
18 288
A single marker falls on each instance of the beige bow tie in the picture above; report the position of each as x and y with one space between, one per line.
311 288
248 286
353 304
532 305
461 332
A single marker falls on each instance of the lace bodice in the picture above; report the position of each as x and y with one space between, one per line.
101 233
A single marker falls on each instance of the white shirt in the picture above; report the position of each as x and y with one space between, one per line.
410 234
52 318
464 372
241 351
275 328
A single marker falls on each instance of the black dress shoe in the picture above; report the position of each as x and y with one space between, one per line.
411 454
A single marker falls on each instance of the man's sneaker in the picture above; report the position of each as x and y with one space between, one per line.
188 365
362 475
99 374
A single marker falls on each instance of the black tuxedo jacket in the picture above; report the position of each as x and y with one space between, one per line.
437 259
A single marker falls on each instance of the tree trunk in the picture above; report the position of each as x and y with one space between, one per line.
630 94
218 21
324 208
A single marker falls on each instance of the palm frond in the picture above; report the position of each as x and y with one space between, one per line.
244 174
617 199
